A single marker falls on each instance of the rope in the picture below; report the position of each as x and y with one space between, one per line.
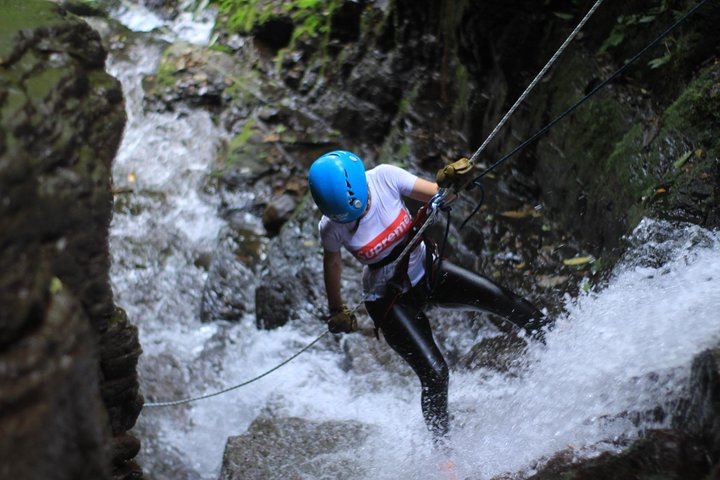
535 81
247 382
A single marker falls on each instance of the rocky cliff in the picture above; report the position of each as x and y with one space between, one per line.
68 387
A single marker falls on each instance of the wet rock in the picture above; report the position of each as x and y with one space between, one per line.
701 415
346 21
346 112
166 8
86 8
276 32
119 353
499 353
49 393
280 296
124 447
191 75
661 454
291 273
307 449
61 121
278 212
226 295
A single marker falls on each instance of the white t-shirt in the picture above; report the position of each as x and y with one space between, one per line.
384 225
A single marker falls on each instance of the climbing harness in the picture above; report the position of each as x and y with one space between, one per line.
572 108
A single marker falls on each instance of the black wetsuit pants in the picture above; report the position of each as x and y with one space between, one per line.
407 330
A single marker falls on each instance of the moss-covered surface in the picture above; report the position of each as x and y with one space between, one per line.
310 18
644 145
687 154
611 163
19 14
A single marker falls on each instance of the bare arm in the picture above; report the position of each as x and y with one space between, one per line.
332 270
423 190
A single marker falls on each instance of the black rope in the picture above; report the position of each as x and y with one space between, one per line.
475 183
434 273
577 104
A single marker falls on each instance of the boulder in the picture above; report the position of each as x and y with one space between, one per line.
226 295
280 295
308 450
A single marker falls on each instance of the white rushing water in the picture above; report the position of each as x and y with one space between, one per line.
626 348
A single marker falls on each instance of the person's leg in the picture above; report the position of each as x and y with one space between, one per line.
457 287
407 330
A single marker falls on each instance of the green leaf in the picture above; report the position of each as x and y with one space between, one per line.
682 160
659 61
647 19
563 16
55 286
308 3
577 261
616 38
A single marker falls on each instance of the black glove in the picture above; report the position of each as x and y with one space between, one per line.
342 320
457 174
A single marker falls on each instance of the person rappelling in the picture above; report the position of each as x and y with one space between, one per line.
364 212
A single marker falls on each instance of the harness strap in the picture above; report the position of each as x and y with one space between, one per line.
400 277
419 219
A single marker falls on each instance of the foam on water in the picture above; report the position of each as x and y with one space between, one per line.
190 25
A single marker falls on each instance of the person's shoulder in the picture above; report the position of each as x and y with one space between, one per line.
385 169
325 223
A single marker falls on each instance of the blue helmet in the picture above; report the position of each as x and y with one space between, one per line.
338 185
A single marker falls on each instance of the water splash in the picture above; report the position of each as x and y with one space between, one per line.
193 25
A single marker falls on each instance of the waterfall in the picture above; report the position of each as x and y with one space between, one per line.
618 352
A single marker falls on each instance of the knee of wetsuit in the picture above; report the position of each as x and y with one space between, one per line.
436 376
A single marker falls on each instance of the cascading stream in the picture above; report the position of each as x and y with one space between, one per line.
626 348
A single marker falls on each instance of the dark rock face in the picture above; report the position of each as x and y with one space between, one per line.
701 415
67 356
290 279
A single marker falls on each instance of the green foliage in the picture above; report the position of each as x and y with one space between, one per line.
623 26
311 17
165 76
307 4
659 61
241 14
697 110
627 25
245 134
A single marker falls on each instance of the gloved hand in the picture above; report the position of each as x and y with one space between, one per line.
457 174
342 320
